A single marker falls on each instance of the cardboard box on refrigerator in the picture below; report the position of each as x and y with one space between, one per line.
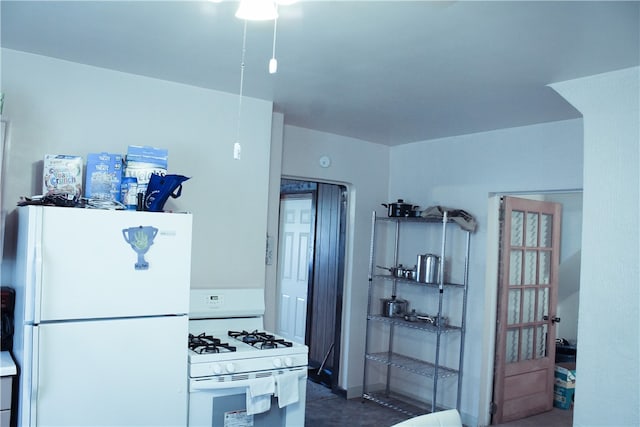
144 161
62 174
564 385
104 175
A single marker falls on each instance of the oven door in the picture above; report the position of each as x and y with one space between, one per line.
223 403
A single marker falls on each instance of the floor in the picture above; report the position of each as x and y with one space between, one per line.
554 418
325 409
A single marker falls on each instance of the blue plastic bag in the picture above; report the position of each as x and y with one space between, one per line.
160 188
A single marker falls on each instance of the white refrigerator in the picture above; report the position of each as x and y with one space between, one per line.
102 302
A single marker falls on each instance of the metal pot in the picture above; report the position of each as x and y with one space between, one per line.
394 307
398 271
399 208
410 273
427 266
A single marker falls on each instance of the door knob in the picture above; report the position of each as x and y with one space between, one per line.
554 319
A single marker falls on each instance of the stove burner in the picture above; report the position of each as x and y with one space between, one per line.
208 344
260 340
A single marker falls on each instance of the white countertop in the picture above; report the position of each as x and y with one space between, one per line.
7 365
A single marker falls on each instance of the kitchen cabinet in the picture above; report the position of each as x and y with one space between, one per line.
413 362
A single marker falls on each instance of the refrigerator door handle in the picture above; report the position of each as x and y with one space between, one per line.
37 278
33 266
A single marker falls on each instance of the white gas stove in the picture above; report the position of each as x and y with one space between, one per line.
239 374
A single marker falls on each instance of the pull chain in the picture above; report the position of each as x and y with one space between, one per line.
236 146
273 63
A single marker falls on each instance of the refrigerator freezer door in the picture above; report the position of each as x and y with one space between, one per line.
122 372
90 263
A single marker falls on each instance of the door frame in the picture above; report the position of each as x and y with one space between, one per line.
491 296
310 186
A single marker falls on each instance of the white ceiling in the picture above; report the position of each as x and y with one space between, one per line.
389 72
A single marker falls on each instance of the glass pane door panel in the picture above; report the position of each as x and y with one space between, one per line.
530 267
517 227
515 268
528 305
543 304
513 315
546 222
541 341
532 230
545 267
527 344
511 355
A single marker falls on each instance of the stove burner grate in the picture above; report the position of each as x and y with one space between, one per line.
208 344
260 340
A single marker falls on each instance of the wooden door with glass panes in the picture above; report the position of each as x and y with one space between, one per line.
527 294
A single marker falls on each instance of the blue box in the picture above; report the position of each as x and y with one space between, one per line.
104 175
143 161
564 386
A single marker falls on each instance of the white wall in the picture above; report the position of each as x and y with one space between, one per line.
61 107
363 168
608 362
461 172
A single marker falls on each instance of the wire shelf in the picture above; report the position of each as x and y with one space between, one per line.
410 364
415 282
402 403
421 325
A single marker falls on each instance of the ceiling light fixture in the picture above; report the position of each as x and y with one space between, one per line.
257 10
260 10
263 10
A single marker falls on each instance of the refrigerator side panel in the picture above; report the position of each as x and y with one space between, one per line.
108 264
117 372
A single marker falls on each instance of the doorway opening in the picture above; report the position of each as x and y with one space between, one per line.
568 277
311 241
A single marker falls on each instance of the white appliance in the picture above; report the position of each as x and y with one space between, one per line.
240 375
102 300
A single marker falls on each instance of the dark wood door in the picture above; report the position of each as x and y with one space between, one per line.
326 293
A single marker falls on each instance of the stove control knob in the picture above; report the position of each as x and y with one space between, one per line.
277 363
288 361
217 369
230 367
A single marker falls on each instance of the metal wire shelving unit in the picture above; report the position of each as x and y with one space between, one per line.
391 359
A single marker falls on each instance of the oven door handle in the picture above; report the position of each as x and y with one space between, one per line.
212 383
